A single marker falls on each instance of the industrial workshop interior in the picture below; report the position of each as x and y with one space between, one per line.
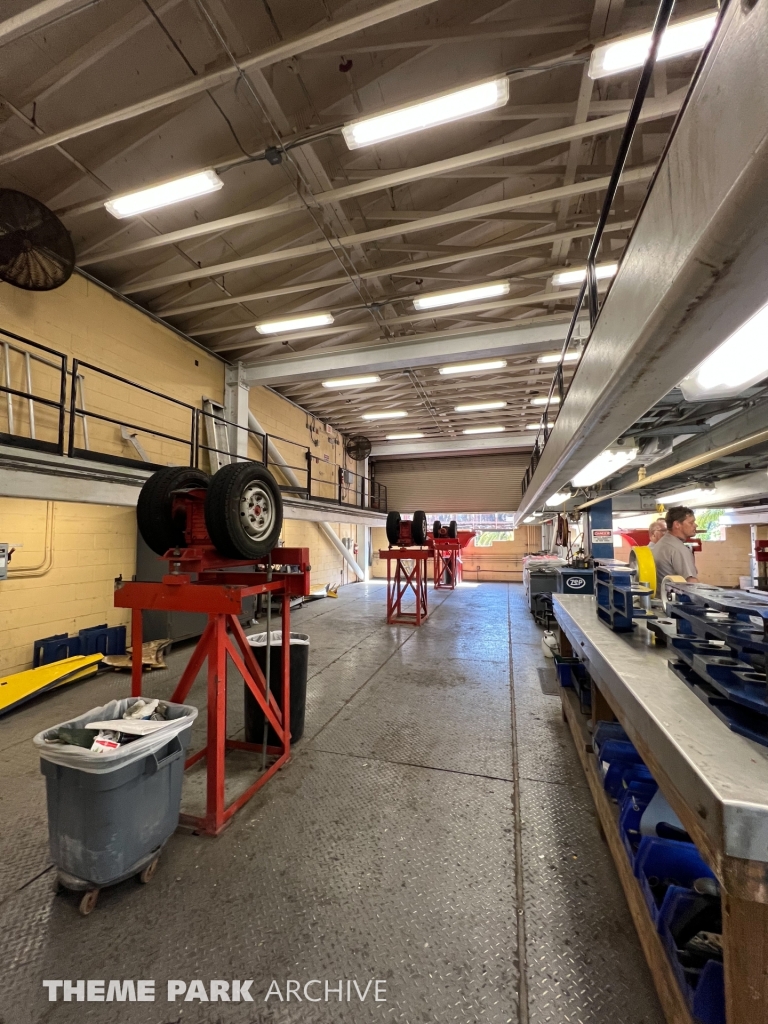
384 512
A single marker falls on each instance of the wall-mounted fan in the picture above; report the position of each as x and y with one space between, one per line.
36 251
358 447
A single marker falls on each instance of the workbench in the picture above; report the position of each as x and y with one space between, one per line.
715 780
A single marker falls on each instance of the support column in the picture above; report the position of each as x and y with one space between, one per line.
599 531
236 408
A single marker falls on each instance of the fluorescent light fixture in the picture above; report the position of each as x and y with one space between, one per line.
624 54
451 106
604 465
538 514
296 323
692 494
483 430
164 195
577 276
735 365
535 426
352 382
385 414
557 357
480 406
434 300
403 437
529 519
489 364
554 400
558 499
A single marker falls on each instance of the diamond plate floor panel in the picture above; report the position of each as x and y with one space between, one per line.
385 849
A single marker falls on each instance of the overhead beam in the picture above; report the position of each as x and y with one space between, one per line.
438 348
397 269
458 445
468 34
282 51
694 268
636 174
36 17
653 110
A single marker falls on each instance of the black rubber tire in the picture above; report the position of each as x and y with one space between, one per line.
223 516
419 529
453 530
393 528
157 525
436 528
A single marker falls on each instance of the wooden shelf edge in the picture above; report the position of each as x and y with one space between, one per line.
672 1000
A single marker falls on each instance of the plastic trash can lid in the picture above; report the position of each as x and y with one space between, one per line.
276 638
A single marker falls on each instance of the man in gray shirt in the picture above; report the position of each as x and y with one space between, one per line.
656 531
671 555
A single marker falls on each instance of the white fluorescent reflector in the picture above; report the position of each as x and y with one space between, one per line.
554 400
734 366
529 519
577 276
480 406
296 323
403 437
351 382
385 415
625 54
450 107
483 430
535 426
692 494
433 300
164 195
558 499
604 465
556 357
490 364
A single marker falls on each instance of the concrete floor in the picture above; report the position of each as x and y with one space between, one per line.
433 831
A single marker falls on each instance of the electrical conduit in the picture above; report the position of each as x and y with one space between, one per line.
277 459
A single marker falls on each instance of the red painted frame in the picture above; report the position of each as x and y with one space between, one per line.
403 581
220 594
446 563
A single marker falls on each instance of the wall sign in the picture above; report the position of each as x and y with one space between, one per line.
602 536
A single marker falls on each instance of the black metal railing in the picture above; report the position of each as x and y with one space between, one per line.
589 289
55 384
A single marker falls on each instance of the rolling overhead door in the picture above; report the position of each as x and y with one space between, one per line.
469 483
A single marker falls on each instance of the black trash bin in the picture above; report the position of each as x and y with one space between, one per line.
254 716
109 815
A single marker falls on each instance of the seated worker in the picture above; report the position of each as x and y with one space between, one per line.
656 531
671 555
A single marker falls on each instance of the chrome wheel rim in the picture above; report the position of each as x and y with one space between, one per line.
257 511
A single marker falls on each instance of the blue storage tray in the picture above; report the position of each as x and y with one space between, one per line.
54 648
706 996
565 668
102 639
637 796
620 756
607 731
679 862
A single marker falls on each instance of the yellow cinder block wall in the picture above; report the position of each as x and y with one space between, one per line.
62 574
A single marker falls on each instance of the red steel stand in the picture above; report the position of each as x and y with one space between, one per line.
446 563
404 581
220 594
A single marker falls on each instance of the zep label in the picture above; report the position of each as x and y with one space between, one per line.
575 582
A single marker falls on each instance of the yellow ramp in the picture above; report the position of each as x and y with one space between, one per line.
21 686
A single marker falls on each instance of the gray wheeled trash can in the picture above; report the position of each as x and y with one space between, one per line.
109 815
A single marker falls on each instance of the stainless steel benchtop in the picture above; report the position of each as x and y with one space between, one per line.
722 776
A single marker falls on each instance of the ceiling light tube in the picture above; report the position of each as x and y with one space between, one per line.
296 323
691 494
134 203
403 437
735 365
565 277
557 357
489 364
451 106
620 55
559 498
352 382
604 465
480 406
483 430
385 414
529 519
434 300
536 426
552 400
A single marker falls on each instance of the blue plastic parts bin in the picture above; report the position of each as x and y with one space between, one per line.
101 639
667 859
707 997
637 795
607 731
